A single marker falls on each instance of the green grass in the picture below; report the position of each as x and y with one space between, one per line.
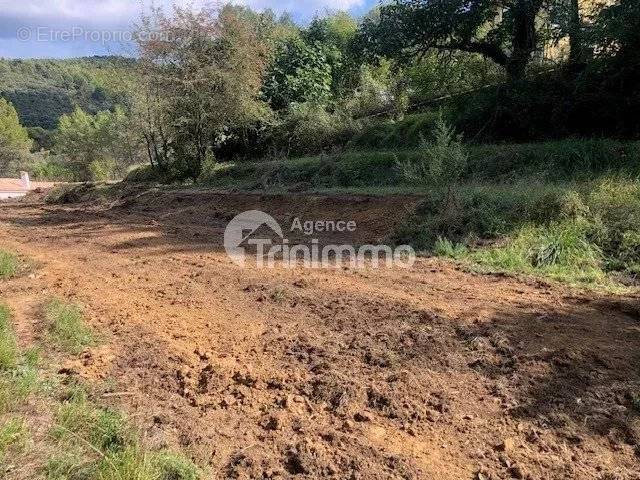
444 247
553 161
561 251
8 344
99 443
9 264
67 328
13 435
18 375
578 232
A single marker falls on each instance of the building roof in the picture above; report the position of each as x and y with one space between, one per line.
16 185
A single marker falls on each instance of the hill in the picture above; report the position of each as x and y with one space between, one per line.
44 90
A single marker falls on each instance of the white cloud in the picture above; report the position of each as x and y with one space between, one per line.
110 12
114 15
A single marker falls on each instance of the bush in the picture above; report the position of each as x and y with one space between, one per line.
312 129
103 170
443 160
51 169
407 133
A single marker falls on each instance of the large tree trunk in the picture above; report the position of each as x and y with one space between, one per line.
576 45
524 41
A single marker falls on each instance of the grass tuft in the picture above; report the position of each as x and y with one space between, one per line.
446 248
9 353
9 265
13 435
67 327
85 430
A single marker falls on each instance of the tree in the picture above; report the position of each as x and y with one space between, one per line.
203 73
504 31
616 32
299 73
97 147
14 139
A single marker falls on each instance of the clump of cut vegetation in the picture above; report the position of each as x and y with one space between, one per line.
67 328
9 264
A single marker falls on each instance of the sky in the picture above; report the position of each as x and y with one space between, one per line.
75 28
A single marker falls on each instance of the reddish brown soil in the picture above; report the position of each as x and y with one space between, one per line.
431 373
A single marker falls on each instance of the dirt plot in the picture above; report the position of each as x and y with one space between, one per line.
431 373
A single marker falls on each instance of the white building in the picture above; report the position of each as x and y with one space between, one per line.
19 187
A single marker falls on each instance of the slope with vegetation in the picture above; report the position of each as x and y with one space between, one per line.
416 97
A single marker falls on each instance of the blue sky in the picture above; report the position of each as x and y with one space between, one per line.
73 28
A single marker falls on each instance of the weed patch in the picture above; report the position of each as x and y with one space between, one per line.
67 328
9 264
13 435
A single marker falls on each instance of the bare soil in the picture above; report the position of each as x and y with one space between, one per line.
429 373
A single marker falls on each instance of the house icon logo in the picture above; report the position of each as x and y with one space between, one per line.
252 227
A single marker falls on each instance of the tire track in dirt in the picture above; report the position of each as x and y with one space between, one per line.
426 373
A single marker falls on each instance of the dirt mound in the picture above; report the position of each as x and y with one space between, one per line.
430 372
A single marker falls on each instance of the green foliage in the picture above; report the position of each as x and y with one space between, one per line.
507 32
44 90
311 129
390 134
211 84
300 73
18 377
443 160
9 265
172 466
84 429
97 147
42 139
560 250
67 328
8 345
558 161
52 168
576 233
14 139
13 435
446 248
103 429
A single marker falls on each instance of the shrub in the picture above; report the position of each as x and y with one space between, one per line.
103 169
310 129
51 169
407 133
443 160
